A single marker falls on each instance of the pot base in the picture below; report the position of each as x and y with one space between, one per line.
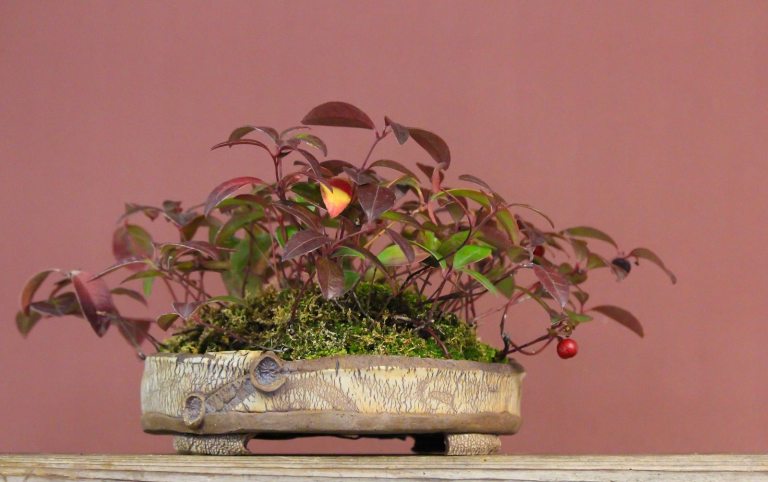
237 444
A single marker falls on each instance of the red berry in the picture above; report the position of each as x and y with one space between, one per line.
567 348
538 251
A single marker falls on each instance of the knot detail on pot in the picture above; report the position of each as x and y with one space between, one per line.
267 372
194 410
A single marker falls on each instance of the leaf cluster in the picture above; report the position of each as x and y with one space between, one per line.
326 227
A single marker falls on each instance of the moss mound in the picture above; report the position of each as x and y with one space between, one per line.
369 321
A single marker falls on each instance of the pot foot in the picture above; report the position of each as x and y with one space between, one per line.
456 444
471 444
228 444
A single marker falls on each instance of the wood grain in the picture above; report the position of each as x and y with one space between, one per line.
163 468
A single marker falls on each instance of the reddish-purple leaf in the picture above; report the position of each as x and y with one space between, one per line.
166 320
32 286
340 114
226 189
475 180
401 132
429 171
240 132
130 242
375 199
62 305
394 165
649 255
133 294
359 177
134 330
319 175
589 232
202 247
433 144
330 276
291 129
299 212
149 211
622 316
304 242
241 142
554 283
311 140
95 301
403 243
129 263
336 166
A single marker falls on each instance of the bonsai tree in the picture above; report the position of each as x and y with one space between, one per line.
336 257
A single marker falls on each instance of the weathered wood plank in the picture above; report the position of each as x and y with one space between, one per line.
162 468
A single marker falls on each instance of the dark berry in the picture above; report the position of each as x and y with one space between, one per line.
538 251
622 264
567 348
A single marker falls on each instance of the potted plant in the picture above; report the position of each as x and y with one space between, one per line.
344 298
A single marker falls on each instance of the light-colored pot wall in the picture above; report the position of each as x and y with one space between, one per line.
647 119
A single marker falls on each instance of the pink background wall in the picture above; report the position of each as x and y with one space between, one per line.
647 119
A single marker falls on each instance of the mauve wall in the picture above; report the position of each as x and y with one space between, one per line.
647 119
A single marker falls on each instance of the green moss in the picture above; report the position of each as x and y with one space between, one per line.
369 321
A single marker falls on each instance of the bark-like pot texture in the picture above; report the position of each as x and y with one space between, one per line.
216 402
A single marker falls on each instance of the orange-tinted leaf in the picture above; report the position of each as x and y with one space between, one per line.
337 198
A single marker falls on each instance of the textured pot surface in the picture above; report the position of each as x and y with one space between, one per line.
254 392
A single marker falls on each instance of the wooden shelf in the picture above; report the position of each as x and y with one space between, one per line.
278 468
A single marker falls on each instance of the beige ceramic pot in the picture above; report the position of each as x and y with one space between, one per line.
215 403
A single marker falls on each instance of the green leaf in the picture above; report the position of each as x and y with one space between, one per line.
506 286
470 254
313 141
392 255
235 223
624 317
472 194
578 317
165 321
588 232
146 285
351 278
345 251
509 223
649 255
452 244
26 321
132 241
487 284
